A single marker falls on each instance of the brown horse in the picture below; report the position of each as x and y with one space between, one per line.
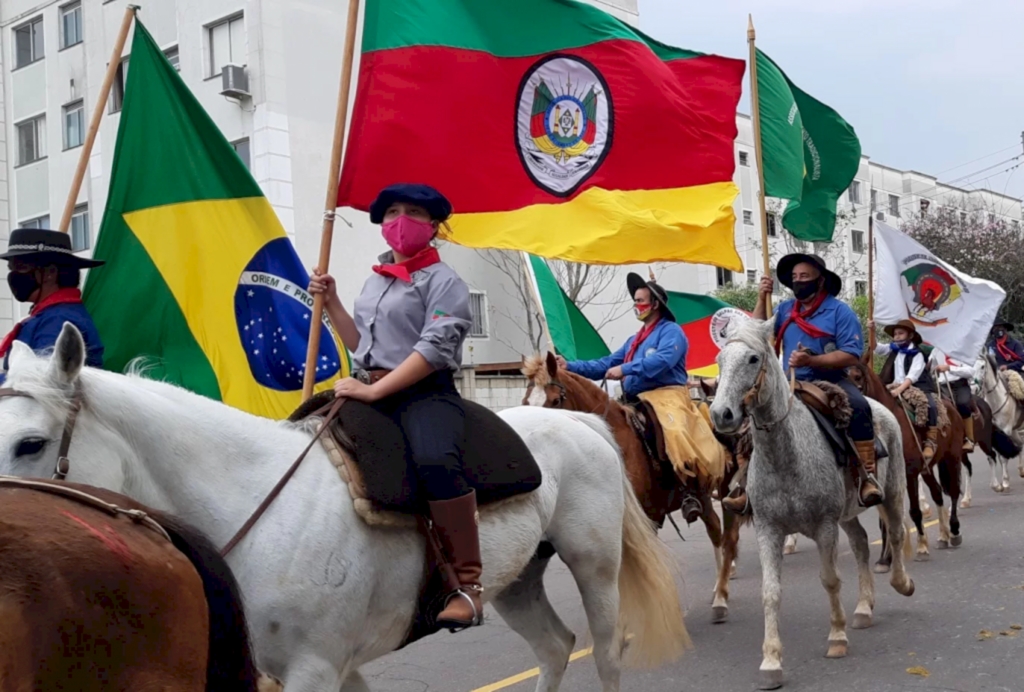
657 487
948 458
99 593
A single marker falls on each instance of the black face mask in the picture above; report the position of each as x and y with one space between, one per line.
22 285
1000 333
805 289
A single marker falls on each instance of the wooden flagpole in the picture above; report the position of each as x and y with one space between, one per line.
756 114
97 116
871 288
331 203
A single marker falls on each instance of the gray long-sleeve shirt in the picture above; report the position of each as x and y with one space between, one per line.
430 315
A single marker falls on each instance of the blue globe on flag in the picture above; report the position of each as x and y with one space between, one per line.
273 312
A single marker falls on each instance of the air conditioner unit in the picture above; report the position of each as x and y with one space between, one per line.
880 216
234 81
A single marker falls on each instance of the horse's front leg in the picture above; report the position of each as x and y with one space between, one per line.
965 502
936 492
1006 474
1020 465
828 550
769 547
993 465
713 525
790 544
862 616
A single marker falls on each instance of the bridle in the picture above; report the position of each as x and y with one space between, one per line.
63 466
753 395
563 395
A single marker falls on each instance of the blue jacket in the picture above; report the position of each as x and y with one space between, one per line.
1014 346
40 331
659 362
834 317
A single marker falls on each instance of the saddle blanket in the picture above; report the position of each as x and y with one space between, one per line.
689 442
917 406
1014 383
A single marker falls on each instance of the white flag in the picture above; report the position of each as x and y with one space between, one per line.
952 311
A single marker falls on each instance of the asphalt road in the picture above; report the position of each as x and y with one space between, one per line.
961 592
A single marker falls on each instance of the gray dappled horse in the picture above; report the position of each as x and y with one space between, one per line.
795 486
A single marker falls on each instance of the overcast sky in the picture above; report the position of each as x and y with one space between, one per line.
929 85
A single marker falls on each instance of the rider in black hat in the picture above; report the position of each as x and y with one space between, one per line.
45 272
1007 351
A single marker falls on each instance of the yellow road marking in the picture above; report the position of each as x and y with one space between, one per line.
583 653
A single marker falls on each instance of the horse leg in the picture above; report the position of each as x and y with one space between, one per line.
916 516
993 465
720 604
1020 465
865 579
949 475
936 492
891 511
355 683
827 539
310 672
1006 473
730 543
769 547
926 509
965 502
885 556
525 608
790 544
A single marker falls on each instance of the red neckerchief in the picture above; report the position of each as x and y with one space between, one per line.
1005 351
799 317
61 296
640 336
404 270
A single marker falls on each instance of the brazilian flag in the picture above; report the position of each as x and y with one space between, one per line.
201 280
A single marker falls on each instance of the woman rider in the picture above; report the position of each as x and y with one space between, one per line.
406 334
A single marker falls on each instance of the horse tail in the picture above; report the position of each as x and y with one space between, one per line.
649 607
231 666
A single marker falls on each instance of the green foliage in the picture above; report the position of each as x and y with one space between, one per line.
743 296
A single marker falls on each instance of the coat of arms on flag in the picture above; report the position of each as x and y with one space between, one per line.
933 289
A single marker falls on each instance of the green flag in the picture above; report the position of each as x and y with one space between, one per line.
575 338
810 154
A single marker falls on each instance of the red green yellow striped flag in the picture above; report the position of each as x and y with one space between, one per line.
553 127
703 319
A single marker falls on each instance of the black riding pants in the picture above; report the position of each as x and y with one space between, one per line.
430 414
962 397
933 410
862 425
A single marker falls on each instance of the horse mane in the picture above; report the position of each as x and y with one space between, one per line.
535 369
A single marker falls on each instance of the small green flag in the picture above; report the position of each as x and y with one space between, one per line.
575 338
810 153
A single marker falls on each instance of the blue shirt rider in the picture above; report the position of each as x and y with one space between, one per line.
820 337
653 358
1007 351
45 272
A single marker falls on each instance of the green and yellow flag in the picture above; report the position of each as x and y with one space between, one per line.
811 155
201 280
574 337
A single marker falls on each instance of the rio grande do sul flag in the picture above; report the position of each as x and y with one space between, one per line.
704 320
951 310
553 127
201 280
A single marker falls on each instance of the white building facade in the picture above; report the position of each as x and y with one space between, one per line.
53 57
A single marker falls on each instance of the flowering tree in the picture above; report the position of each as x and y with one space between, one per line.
979 244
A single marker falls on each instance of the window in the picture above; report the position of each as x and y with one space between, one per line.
874 199
28 43
117 88
857 240
74 124
80 228
241 147
748 217
478 314
70 24
860 288
854 192
744 158
776 286
724 277
225 43
172 57
772 225
39 222
31 140
894 205
751 276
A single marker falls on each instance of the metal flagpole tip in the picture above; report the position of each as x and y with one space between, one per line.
750 27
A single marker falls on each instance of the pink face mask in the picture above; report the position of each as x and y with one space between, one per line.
406 235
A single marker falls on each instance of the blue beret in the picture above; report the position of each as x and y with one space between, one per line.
436 204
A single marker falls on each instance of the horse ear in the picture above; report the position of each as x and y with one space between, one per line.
552 364
68 355
768 331
19 350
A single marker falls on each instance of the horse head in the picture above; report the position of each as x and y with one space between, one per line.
552 387
749 375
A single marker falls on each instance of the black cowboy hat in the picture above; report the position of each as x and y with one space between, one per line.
635 282
833 284
42 247
1001 322
909 326
436 204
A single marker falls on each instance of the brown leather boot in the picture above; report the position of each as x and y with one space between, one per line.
456 525
870 494
931 443
969 434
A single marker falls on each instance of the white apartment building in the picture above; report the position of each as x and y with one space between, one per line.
53 56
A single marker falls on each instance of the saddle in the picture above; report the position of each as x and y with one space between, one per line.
830 407
372 457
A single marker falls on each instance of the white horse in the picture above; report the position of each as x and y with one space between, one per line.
1007 415
326 591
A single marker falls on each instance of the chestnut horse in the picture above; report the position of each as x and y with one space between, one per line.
99 593
656 486
948 458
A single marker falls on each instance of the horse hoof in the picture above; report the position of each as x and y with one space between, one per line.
943 544
732 573
956 541
881 569
836 650
769 680
965 504
908 591
861 621
922 557
789 550
719 614
927 514
1020 470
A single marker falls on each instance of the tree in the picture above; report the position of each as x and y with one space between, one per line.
977 243
743 296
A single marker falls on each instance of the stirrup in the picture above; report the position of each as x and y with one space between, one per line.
700 507
860 484
476 620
